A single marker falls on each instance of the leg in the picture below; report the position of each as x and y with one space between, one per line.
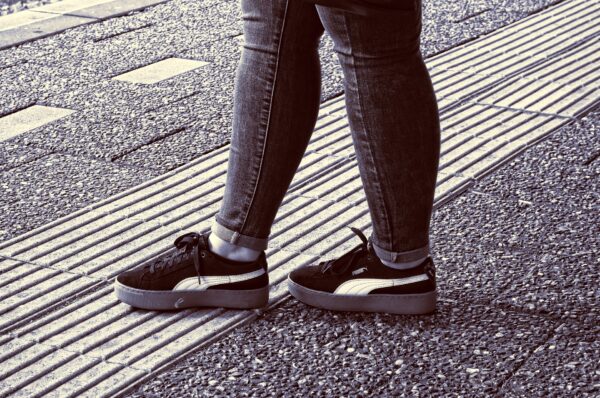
394 121
276 104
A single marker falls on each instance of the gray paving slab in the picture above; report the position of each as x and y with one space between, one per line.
36 192
54 50
175 149
106 49
55 18
572 354
13 155
84 91
570 170
536 258
291 351
561 286
525 226
78 135
32 84
546 248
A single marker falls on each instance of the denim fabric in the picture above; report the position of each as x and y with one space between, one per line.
392 112
366 7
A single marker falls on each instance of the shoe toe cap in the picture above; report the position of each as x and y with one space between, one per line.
310 277
129 278
303 274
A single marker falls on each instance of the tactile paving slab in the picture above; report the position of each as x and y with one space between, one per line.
63 333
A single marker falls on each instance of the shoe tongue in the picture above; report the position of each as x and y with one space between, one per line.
203 243
343 263
370 249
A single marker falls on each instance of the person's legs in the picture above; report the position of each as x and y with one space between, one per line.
395 127
276 104
393 115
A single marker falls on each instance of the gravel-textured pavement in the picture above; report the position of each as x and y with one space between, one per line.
123 134
517 265
516 254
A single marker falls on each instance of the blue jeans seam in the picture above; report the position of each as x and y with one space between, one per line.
269 119
370 152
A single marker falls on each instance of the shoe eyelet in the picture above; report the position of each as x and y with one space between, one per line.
202 254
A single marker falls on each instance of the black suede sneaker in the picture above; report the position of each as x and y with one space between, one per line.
192 276
359 281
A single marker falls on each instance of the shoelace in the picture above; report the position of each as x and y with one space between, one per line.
345 262
187 245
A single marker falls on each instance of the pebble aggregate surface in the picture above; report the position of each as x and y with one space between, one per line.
517 317
140 130
516 254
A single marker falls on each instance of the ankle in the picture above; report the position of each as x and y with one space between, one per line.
404 265
231 251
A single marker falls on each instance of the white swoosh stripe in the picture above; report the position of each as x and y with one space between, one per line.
364 286
213 280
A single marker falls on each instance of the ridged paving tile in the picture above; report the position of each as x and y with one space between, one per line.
27 366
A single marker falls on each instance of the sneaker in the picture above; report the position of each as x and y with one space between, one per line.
192 276
359 281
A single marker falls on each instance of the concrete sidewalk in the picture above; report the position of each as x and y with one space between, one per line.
517 260
64 334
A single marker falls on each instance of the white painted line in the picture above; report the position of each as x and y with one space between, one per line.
22 18
28 119
48 11
68 6
160 71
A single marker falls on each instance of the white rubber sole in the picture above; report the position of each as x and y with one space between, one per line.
171 300
406 304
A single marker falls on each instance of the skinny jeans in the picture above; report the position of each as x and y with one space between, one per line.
392 114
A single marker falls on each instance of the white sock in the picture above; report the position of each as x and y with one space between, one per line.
231 251
405 265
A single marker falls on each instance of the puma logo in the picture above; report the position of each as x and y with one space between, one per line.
179 302
359 271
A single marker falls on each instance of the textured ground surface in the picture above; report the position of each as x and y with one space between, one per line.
124 134
517 260
516 254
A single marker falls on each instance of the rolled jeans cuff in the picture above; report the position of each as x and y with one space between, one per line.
238 239
401 257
